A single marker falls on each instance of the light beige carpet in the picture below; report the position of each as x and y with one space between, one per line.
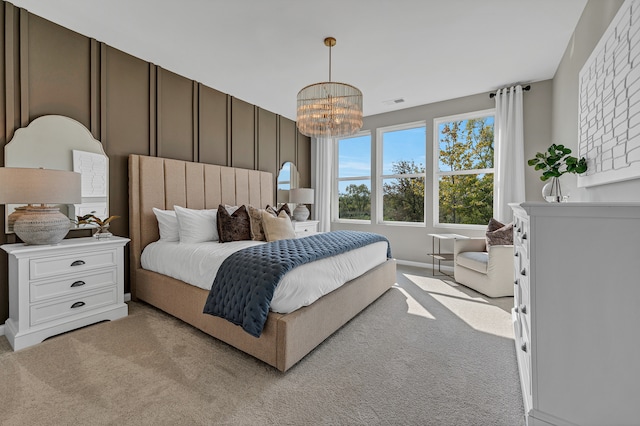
428 352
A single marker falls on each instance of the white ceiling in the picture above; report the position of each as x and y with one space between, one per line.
264 51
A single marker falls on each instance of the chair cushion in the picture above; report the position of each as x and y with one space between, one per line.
475 260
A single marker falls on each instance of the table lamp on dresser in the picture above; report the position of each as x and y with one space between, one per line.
42 223
301 196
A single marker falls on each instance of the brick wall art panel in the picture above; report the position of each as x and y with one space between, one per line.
609 102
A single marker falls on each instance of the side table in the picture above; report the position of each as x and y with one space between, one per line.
439 255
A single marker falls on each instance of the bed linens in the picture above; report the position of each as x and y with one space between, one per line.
197 264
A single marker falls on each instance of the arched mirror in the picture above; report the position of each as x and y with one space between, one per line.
61 143
288 178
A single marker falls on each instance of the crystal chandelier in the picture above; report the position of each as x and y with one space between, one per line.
329 109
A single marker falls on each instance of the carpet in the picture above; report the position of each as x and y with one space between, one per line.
428 352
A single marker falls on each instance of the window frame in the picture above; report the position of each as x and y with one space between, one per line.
436 166
335 197
380 177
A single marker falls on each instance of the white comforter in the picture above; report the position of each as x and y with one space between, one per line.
197 264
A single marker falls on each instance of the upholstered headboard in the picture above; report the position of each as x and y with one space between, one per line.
163 183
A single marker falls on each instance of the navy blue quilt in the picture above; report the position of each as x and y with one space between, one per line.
244 286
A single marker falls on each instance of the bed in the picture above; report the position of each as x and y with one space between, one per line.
286 338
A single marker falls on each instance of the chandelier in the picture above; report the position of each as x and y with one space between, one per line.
329 109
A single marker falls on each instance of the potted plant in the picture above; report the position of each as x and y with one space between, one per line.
555 162
101 225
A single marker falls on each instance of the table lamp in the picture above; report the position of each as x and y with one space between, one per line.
301 196
40 224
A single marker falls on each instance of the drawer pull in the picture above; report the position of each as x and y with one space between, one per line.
77 263
523 272
524 347
516 254
78 284
516 282
523 309
524 236
77 305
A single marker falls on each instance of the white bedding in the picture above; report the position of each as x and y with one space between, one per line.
197 264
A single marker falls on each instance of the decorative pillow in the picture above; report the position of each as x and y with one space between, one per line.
255 218
276 213
278 228
196 226
167 225
499 234
233 227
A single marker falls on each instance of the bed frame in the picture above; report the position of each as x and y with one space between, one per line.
286 338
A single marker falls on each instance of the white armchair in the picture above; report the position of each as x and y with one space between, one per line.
489 272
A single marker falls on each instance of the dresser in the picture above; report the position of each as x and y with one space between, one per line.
57 288
576 312
306 227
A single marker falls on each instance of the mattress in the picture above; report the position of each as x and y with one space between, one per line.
197 264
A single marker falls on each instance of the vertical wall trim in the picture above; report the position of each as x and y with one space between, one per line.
196 121
103 94
278 133
158 111
9 70
94 82
255 137
229 140
24 68
152 110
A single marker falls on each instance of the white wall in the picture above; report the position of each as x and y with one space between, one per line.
594 21
412 243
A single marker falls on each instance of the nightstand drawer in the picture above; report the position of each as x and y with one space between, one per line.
47 312
72 284
81 261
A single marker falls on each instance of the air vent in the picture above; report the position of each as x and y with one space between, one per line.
394 101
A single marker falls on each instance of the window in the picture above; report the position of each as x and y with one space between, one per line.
354 177
463 164
402 172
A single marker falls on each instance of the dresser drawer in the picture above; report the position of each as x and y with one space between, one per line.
71 263
47 312
72 284
303 228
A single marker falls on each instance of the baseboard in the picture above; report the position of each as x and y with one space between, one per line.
424 265
127 297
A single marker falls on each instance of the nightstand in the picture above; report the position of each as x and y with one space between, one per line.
61 287
304 228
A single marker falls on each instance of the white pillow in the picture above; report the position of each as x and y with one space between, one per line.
231 209
167 224
197 226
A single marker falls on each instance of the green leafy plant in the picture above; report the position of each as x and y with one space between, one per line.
556 161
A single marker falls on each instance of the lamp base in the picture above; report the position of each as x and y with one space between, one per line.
301 213
40 225
11 219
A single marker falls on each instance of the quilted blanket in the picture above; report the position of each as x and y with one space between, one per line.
243 287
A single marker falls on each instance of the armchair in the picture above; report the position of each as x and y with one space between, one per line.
488 270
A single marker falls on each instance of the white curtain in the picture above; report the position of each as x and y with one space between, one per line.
509 152
322 166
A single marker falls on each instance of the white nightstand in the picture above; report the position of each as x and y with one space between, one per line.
304 228
57 288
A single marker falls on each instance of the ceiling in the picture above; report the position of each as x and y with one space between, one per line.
265 51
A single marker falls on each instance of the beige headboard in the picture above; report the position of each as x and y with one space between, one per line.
163 183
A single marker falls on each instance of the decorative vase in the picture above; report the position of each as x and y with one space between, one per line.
552 191
102 232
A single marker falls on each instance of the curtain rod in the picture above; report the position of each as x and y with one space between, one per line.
525 88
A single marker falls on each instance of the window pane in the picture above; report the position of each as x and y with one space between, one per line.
354 156
404 150
466 144
466 199
403 200
354 199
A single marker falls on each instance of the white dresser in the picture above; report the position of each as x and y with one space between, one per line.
577 312
306 227
57 288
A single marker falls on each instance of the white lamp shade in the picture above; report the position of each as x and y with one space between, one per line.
39 186
301 196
